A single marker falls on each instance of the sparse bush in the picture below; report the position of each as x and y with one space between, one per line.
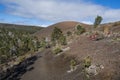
57 50
43 43
57 37
95 36
69 33
3 59
13 43
56 34
106 30
73 63
80 29
62 40
116 24
87 62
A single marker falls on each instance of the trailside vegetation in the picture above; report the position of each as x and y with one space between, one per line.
14 44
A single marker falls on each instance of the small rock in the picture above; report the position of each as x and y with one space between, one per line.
92 70
101 66
66 49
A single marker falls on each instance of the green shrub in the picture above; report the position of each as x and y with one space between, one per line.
97 22
56 34
80 30
43 43
87 62
57 37
3 59
14 43
62 40
69 33
57 50
73 63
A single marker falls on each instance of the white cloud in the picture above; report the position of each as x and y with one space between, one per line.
87 22
44 25
56 10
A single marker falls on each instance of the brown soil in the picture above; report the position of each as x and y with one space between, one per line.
64 26
102 52
49 67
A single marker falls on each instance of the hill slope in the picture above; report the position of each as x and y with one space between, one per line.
64 26
24 28
105 52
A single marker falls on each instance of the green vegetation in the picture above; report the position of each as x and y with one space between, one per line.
21 28
14 44
57 37
62 40
57 50
95 34
97 22
69 33
87 62
79 29
73 63
43 43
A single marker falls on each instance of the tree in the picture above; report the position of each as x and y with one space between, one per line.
80 29
97 22
62 40
13 43
56 35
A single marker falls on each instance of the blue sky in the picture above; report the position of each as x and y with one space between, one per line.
46 12
108 3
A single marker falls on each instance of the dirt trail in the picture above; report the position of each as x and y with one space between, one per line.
50 67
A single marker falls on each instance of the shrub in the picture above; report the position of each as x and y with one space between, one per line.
57 50
62 40
87 62
80 30
13 43
96 36
73 63
3 59
116 24
69 33
98 20
43 43
57 36
106 30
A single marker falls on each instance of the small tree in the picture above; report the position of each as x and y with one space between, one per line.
97 22
58 37
80 29
62 40
56 34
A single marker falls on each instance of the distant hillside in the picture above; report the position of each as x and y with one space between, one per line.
92 53
114 26
23 28
104 51
64 26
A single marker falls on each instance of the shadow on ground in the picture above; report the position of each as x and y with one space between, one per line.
17 71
